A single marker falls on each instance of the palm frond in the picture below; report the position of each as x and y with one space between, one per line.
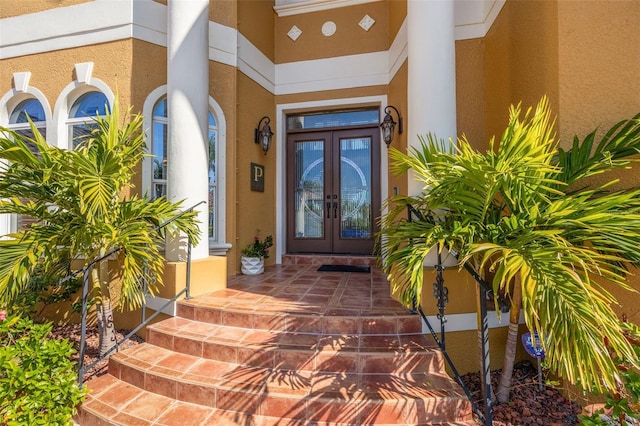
510 211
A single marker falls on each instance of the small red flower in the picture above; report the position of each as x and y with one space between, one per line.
3 315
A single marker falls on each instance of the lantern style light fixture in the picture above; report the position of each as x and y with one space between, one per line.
263 135
388 125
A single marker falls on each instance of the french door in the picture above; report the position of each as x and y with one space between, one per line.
333 187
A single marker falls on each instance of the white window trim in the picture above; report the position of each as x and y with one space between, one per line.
12 98
8 103
218 246
60 136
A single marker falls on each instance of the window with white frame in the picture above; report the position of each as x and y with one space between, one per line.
159 161
159 150
213 138
80 124
29 109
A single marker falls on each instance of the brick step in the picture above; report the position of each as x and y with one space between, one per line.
290 347
115 402
307 315
313 396
321 259
298 351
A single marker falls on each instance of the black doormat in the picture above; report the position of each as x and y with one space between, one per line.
344 268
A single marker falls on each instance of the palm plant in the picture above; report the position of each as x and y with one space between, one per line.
77 198
523 211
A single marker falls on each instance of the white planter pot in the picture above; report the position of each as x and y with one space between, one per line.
251 265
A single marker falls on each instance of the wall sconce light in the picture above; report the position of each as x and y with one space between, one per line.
263 135
388 125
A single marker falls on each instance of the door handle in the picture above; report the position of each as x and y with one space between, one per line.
328 209
335 209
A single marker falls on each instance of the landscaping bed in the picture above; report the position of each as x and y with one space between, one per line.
527 405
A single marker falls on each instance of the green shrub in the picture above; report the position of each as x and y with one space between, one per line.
625 403
44 289
38 383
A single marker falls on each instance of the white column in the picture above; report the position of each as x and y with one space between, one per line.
431 73
187 113
5 224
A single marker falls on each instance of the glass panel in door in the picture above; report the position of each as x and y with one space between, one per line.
355 189
355 157
309 191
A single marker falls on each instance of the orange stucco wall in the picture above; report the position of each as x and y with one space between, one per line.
520 60
590 73
254 210
470 91
53 71
349 38
10 8
256 22
397 96
599 66
397 14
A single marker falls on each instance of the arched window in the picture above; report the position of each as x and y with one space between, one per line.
28 109
159 149
213 199
159 157
154 168
88 105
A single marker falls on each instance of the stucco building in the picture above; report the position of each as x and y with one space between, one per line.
206 72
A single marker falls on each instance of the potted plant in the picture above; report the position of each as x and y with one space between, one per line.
254 254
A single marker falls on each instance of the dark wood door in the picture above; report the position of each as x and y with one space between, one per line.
333 187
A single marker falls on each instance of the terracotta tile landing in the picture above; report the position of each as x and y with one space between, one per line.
292 346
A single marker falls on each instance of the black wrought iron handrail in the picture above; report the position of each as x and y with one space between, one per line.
441 294
501 302
82 370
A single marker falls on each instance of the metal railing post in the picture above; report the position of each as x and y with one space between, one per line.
144 291
442 295
188 278
83 325
486 364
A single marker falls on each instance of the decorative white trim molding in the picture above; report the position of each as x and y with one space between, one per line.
294 33
367 69
99 22
66 27
296 7
468 322
255 65
21 81
149 22
84 71
398 52
223 44
366 22
473 18
329 28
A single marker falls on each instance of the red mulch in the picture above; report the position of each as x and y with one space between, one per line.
72 333
527 405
